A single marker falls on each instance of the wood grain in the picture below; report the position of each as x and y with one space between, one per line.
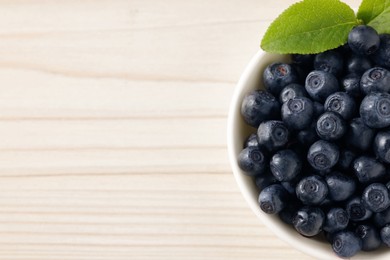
113 125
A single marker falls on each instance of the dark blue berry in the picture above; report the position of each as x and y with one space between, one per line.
278 75
291 91
359 135
312 190
370 237
341 187
368 170
382 146
363 40
259 106
264 180
385 235
289 186
273 135
375 80
375 110
285 165
336 219
323 155
320 84
351 85
346 244
288 213
342 104
329 61
376 197
356 210
303 60
252 161
358 64
382 55
251 141
382 218
318 109
308 221
346 158
308 136
273 199
331 126
297 113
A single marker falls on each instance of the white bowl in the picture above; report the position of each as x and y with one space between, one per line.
238 131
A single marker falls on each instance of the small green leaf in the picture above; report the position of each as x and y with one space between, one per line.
376 13
310 26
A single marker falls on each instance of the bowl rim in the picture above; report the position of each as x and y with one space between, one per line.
310 247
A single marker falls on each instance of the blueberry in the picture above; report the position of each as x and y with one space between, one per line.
382 218
370 237
297 113
341 187
376 197
342 104
368 170
259 106
385 235
359 135
289 187
251 140
278 75
351 85
336 219
291 91
308 136
382 55
288 213
320 84
318 109
323 155
363 40
329 61
252 161
285 165
382 146
331 126
356 210
347 156
312 190
308 221
358 64
264 180
303 60
375 80
273 199
375 110
346 244
272 135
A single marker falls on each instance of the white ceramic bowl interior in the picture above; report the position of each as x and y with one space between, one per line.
238 131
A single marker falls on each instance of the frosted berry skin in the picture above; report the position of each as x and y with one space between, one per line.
341 186
308 221
368 170
329 61
351 84
382 146
320 84
285 165
259 106
312 190
385 235
375 80
272 135
291 91
346 244
336 219
382 55
376 197
297 113
278 75
359 135
370 237
358 64
363 40
323 155
331 126
273 199
357 211
375 110
342 104
251 141
252 161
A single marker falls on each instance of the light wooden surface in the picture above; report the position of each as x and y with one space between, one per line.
113 129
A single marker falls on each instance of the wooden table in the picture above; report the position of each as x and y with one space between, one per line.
113 125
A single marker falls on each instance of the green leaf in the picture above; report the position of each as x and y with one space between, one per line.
376 13
310 26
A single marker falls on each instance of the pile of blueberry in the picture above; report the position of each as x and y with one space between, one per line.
321 153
